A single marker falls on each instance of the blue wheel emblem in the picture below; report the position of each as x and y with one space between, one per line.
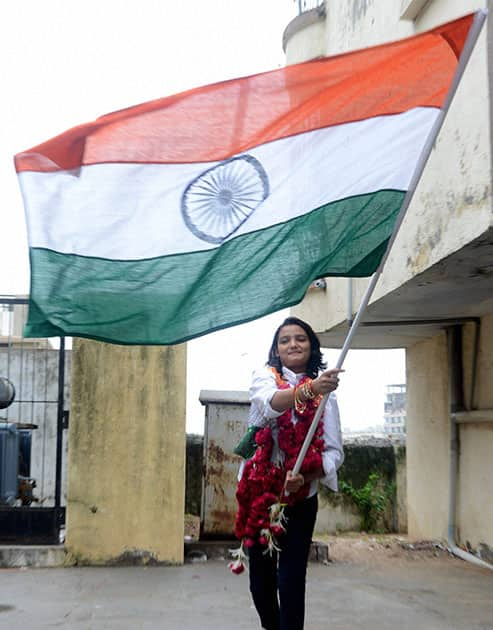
216 203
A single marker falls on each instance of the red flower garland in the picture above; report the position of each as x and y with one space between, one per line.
260 490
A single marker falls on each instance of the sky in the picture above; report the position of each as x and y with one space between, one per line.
65 62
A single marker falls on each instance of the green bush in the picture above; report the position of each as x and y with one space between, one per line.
371 500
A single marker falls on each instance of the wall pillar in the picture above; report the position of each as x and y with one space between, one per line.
126 476
428 438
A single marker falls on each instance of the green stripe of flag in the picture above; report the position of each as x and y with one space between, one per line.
171 299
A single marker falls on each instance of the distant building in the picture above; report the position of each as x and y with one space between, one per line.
395 410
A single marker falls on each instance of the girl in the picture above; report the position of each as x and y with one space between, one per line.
284 397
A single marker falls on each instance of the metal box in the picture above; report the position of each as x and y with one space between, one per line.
226 420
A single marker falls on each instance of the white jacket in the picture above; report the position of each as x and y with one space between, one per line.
263 389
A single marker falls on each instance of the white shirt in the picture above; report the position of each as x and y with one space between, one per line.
262 414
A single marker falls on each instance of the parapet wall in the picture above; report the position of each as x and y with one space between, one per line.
217 466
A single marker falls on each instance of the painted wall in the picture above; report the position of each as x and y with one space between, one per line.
452 204
475 481
305 37
428 438
226 416
451 208
126 481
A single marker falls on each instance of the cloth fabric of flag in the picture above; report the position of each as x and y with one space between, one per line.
177 217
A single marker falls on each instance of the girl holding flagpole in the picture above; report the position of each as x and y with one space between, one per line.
277 508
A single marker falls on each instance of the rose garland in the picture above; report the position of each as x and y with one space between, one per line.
260 494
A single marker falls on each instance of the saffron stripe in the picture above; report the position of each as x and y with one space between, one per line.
218 121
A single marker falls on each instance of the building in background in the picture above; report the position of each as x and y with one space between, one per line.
435 296
395 410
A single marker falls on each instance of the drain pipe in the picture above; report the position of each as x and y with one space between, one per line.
456 405
349 311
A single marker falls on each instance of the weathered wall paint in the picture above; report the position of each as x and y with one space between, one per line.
452 204
428 435
127 454
427 438
304 36
226 418
353 24
451 209
475 479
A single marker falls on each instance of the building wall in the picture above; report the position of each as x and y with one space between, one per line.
308 42
475 479
226 416
451 209
126 481
452 203
428 438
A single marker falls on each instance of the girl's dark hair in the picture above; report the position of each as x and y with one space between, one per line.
315 362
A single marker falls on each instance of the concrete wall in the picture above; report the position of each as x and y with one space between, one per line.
225 423
452 204
193 475
444 242
304 37
428 438
475 481
127 454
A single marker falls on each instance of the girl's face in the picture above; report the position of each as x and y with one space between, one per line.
294 348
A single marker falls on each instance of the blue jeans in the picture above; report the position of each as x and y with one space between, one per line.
277 582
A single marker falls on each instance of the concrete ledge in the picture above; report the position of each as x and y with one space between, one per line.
222 396
46 556
302 21
42 556
204 550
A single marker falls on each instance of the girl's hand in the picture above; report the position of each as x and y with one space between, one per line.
293 482
327 382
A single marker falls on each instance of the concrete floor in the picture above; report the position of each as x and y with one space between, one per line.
441 594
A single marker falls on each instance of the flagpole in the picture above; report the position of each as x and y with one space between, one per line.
469 44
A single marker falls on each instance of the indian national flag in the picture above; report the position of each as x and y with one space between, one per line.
177 217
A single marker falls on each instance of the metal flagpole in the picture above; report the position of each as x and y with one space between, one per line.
469 44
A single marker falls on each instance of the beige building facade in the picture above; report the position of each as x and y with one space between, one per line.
435 295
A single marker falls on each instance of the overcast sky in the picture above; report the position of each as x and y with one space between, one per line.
65 62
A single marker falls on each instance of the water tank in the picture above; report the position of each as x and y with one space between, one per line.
7 392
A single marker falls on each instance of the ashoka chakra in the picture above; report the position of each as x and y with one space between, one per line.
216 203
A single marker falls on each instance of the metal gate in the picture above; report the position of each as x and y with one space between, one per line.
32 432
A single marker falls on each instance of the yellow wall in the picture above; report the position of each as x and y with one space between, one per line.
475 505
428 438
452 203
126 453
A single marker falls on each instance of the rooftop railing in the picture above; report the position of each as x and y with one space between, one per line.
308 5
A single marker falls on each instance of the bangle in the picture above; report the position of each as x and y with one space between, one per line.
299 405
307 390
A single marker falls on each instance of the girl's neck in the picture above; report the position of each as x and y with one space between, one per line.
296 370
